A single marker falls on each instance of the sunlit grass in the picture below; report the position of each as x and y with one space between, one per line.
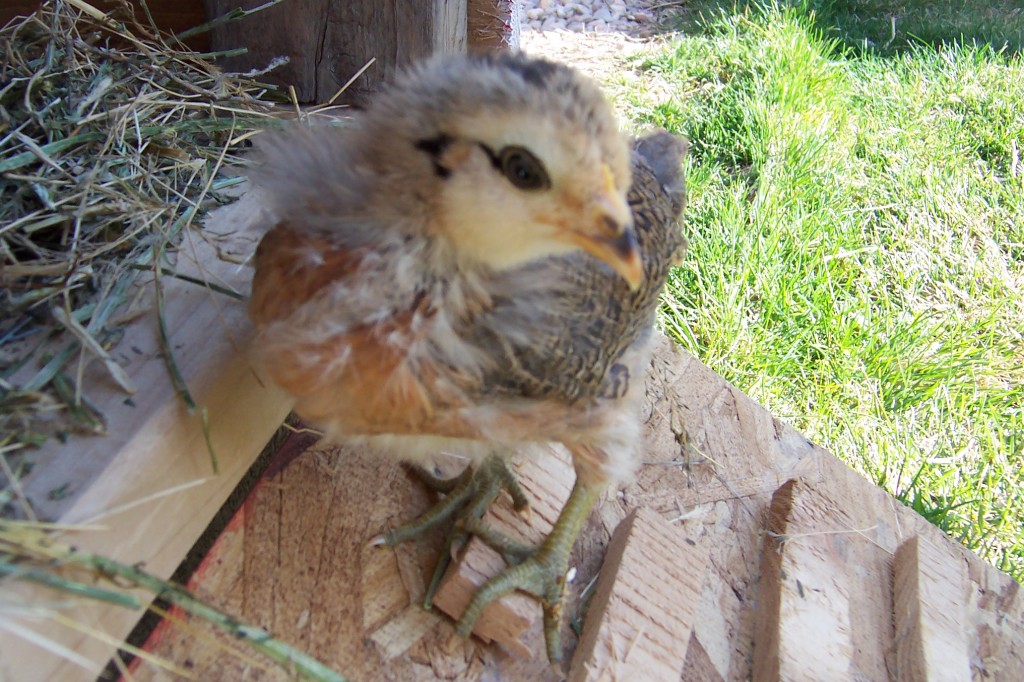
856 223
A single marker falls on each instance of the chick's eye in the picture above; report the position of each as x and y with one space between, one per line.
523 169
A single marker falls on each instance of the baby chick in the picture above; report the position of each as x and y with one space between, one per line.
472 264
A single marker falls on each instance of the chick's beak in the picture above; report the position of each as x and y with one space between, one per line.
608 235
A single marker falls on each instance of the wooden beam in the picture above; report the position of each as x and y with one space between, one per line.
825 598
493 25
931 628
329 41
147 489
641 617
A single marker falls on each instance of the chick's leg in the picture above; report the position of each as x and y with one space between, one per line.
466 499
542 573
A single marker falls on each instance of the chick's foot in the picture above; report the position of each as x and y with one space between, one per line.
466 499
541 572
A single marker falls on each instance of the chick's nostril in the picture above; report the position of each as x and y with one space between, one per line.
613 225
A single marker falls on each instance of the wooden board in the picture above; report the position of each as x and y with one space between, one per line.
639 623
148 488
329 41
931 629
316 582
493 24
295 561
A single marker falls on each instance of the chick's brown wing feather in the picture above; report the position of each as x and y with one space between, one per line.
292 267
340 368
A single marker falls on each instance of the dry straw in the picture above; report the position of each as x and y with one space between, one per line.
112 138
30 552
111 141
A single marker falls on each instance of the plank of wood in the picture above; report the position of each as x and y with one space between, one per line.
148 485
642 614
327 43
825 601
493 25
297 560
931 633
505 621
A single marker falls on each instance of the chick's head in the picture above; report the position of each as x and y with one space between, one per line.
514 158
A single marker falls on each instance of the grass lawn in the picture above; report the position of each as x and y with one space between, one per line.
857 237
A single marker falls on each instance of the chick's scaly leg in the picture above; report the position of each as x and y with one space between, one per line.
467 498
543 572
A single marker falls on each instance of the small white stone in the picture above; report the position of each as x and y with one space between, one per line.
536 25
576 27
535 13
604 14
545 4
550 24
598 26
560 12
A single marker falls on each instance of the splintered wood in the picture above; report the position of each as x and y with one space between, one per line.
641 617
810 595
931 633
842 598
826 598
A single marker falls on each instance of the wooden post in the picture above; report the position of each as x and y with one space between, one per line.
642 614
493 24
931 625
145 491
327 43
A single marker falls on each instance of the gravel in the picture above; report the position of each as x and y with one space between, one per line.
635 18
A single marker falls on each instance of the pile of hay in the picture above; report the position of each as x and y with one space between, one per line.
111 142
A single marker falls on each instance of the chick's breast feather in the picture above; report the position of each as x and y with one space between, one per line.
474 262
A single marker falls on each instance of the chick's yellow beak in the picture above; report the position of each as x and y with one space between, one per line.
607 232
